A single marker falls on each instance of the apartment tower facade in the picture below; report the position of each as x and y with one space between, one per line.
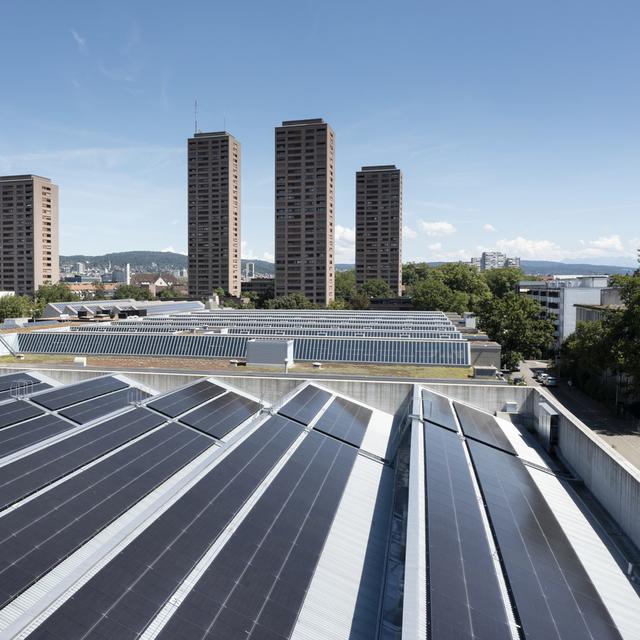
305 209
379 226
214 213
29 227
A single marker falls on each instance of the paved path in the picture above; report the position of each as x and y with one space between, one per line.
621 434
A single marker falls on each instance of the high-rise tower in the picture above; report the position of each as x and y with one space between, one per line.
379 226
304 203
214 213
29 233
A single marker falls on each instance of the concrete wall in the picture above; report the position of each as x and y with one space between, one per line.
609 477
490 397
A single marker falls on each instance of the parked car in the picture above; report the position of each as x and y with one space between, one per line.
541 377
551 381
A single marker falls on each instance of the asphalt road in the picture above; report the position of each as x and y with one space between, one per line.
623 435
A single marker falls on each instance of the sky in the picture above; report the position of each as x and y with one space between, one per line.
516 123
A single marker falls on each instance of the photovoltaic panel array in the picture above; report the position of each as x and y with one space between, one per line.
345 420
222 415
483 427
438 410
305 348
11 380
178 402
17 411
65 396
31 432
255 586
44 531
122 598
464 596
26 475
553 594
89 410
305 405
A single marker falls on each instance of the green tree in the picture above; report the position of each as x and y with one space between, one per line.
502 281
168 294
345 283
338 305
15 307
131 291
514 322
59 292
465 279
291 301
359 300
376 289
99 292
412 272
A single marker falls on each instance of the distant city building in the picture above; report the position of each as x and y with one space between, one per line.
79 267
154 282
29 233
494 260
560 296
214 213
379 226
305 209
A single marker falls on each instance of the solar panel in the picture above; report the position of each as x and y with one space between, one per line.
178 402
44 531
31 432
89 410
40 468
135 585
463 590
345 420
305 405
15 379
65 396
553 594
327 349
483 427
222 415
437 409
17 411
255 586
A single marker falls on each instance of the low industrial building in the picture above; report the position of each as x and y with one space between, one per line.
139 504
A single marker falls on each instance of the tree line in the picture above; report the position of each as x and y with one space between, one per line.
608 349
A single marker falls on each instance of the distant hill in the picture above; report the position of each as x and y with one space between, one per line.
168 261
151 261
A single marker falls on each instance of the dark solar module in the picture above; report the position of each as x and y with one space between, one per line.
304 406
257 583
553 594
23 391
44 531
17 411
222 415
438 409
345 420
95 408
464 593
65 396
483 427
15 380
132 588
28 474
31 432
183 400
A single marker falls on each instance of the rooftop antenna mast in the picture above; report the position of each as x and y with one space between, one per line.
195 116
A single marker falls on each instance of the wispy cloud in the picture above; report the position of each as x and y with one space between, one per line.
408 233
438 228
488 227
80 41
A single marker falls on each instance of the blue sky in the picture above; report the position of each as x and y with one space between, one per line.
516 123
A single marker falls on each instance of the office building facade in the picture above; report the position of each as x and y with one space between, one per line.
379 226
29 254
495 260
214 213
305 209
